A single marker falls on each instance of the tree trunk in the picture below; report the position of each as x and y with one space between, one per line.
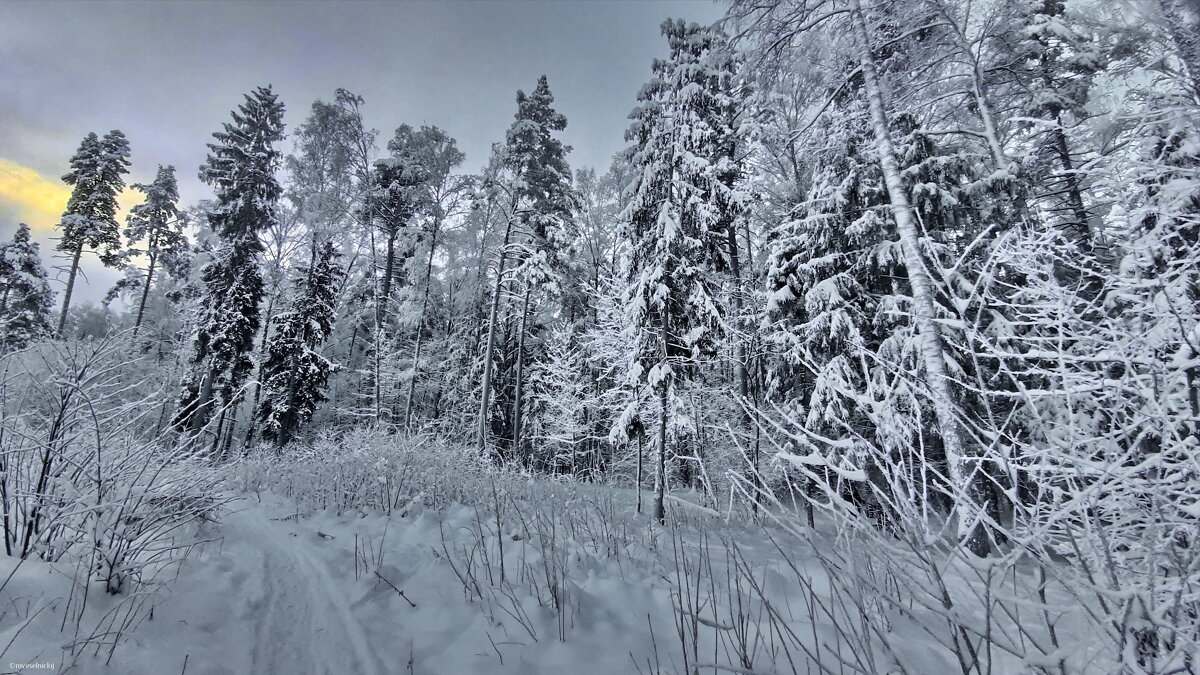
1077 227
253 424
740 358
412 380
62 318
640 463
383 303
227 442
520 370
479 272
214 450
482 431
137 323
660 481
204 398
932 350
336 398
376 373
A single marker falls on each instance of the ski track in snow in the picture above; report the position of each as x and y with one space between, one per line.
305 625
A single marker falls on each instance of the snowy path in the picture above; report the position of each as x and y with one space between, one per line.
306 624
269 594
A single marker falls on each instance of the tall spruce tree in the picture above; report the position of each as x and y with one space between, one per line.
295 374
545 201
531 169
90 221
25 296
676 223
1051 63
241 167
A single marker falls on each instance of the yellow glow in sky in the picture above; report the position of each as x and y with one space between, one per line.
39 200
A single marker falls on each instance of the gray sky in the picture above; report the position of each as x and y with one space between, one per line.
167 73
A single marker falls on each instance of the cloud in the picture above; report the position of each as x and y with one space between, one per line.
31 197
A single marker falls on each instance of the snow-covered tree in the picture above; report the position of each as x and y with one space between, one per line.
595 245
544 200
677 221
444 194
295 373
541 186
399 193
90 221
25 296
1151 399
1183 22
1046 63
319 205
560 404
863 35
528 185
241 168
159 223
321 170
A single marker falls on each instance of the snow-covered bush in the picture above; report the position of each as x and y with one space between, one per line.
84 473
367 468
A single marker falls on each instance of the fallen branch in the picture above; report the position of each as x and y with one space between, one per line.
410 602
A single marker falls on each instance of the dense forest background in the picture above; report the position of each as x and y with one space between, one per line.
927 266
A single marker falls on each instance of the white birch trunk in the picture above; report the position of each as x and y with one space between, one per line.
932 351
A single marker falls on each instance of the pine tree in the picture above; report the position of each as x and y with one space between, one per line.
158 222
295 374
677 223
400 192
241 167
25 296
90 220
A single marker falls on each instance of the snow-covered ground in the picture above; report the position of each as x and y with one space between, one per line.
411 558
277 590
